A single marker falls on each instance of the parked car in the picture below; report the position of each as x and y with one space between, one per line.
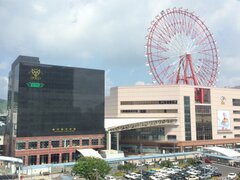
192 177
205 176
139 164
110 178
127 176
149 163
216 174
232 176
134 176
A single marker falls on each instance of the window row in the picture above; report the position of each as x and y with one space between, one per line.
237 135
236 102
50 158
147 102
236 112
236 119
56 143
149 111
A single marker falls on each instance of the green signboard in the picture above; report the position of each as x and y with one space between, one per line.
35 85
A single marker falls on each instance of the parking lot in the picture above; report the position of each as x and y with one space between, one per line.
153 171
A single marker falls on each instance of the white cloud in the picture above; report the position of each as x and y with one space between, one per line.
229 72
3 65
108 34
4 87
39 8
140 83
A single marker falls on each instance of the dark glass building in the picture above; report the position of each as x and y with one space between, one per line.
54 108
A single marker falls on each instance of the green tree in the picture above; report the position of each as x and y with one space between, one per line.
166 163
91 168
238 176
192 162
126 167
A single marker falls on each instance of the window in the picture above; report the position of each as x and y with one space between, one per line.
65 143
172 137
44 159
20 145
32 160
75 142
236 102
55 158
236 127
44 144
187 118
237 135
149 111
85 142
236 119
202 110
102 141
94 141
65 157
32 145
202 96
74 156
203 122
55 144
153 133
148 102
236 112
187 149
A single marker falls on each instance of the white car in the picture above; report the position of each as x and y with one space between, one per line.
232 176
192 177
128 176
133 176
149 163
153 178
110 178
139 164
192 172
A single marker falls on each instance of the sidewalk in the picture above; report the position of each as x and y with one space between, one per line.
52 177
49 177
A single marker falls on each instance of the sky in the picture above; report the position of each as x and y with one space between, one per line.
108 35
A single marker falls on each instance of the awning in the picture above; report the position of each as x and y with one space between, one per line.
89 153
11 159
225 151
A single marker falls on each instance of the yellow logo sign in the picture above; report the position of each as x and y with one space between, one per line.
35 74
223 99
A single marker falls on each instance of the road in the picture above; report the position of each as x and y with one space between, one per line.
225 170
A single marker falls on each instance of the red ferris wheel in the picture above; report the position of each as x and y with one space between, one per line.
181 49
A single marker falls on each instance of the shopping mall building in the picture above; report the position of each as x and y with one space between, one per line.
172 118
53 111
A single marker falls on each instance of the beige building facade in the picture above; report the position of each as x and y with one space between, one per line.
203 116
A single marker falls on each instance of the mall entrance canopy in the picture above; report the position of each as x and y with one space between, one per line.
122 124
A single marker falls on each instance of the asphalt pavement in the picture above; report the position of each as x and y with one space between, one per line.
225 169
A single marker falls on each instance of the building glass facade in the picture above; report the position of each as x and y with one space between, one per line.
203 122
187 118
48 100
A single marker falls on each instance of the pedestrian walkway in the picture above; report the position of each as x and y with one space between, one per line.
52 177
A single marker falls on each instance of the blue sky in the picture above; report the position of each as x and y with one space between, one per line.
108 35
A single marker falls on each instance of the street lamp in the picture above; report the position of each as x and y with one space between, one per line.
96 173
141 159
